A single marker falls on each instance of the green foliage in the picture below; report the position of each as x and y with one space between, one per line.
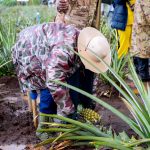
137 105
76 134
35 2
14 2
109 33
12 21
119 65
7 39
9 2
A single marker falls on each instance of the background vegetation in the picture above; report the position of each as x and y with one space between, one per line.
14 2
12 21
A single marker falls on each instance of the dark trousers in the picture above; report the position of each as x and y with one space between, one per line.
82 79
142 68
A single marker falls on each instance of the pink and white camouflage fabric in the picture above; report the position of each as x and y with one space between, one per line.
43 53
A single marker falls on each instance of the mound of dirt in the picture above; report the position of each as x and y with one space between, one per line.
9 82
16 125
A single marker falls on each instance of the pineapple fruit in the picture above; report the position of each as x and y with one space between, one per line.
89 114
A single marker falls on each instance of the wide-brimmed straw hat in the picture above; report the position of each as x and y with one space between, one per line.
92 43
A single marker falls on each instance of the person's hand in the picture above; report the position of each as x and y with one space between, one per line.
63 6
132 7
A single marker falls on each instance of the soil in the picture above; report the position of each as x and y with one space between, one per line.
16 126
16 123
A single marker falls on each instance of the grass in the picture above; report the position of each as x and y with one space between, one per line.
14 2
12 21
119 65
9 2
27 12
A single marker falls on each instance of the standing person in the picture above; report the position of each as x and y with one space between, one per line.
81 13
123 21
44 53
141 39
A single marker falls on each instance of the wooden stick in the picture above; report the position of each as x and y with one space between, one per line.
98 15
29 102
35 113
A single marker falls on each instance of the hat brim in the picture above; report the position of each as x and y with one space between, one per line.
85 36
93 66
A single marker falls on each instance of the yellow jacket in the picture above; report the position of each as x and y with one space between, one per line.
130 13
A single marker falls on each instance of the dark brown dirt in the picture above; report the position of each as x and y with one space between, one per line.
109 95
16 126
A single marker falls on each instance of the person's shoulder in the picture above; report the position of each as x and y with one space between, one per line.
63 27
60 25
29 30
72 28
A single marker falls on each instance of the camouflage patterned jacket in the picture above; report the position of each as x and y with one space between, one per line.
43 53
83 13
141 29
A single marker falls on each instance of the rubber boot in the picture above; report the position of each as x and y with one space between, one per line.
142 68
43 135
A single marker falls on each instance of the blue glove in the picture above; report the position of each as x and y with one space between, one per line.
33 94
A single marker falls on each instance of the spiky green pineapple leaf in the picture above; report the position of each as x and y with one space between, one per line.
124 137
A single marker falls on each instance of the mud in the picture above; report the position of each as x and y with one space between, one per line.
16 124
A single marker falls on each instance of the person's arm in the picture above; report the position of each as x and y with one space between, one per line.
62 9
57 69
119 2
62 6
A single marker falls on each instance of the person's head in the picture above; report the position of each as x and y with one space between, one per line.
91 45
